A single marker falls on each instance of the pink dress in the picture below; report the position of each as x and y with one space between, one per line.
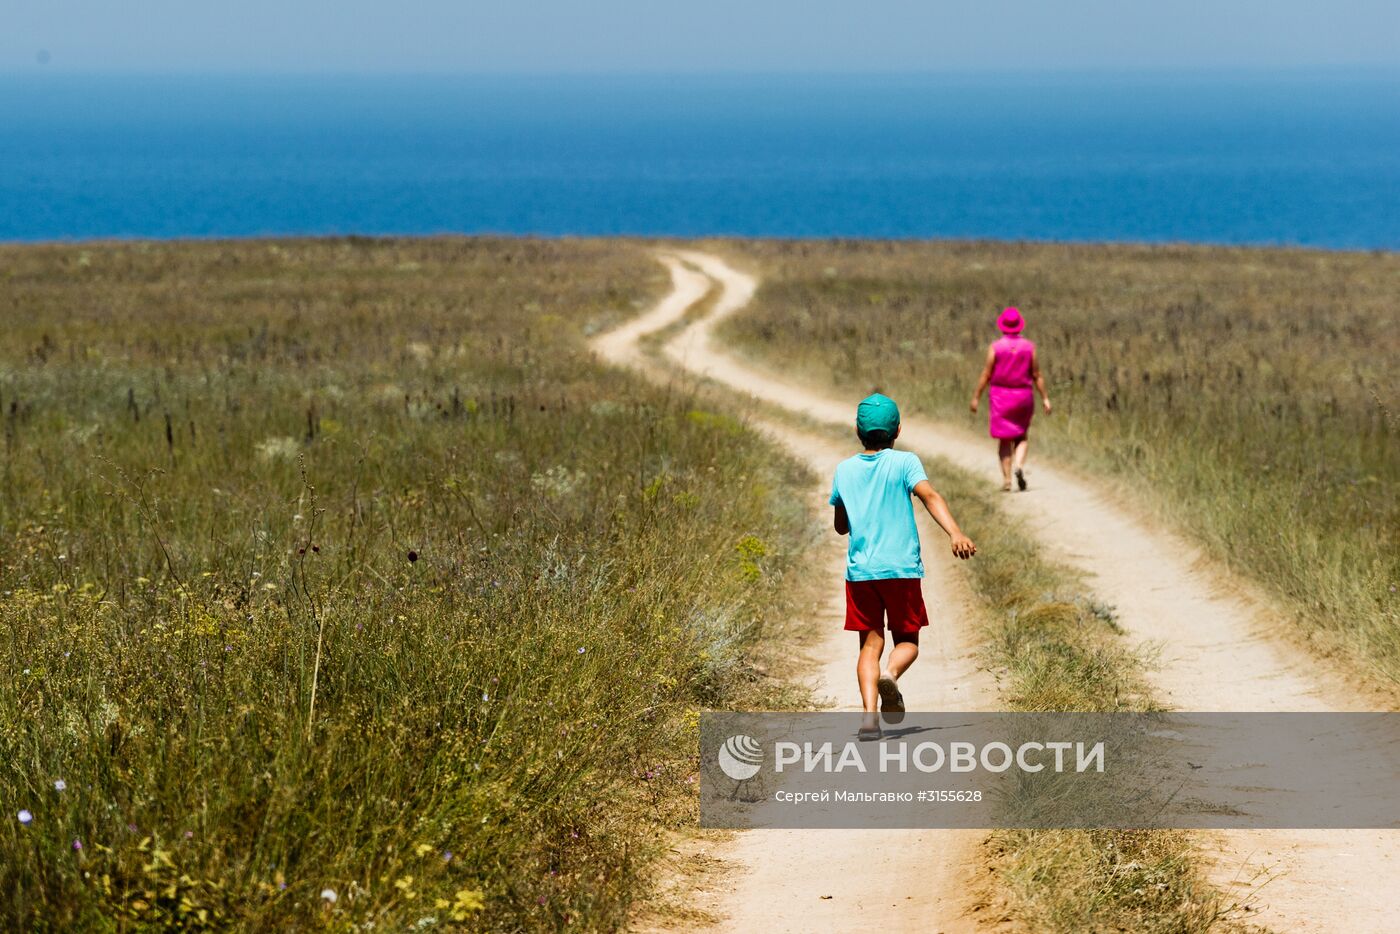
1011 396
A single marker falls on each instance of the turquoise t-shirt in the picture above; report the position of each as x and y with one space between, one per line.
875 489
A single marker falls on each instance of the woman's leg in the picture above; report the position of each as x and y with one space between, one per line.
1004 449
1018 456
872 644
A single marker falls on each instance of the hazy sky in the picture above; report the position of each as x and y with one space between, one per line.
705 35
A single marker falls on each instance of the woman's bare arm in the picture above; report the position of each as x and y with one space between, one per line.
1039 379
985 378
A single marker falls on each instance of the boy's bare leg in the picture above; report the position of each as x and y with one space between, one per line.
1004 448
906 649
872 644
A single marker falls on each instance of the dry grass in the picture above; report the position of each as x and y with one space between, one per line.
1054 646
341 565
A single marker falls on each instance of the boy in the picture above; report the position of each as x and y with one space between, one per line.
871 494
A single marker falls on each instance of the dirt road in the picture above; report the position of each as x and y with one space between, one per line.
840 880
1216 646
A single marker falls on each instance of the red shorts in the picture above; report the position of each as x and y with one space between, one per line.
899 598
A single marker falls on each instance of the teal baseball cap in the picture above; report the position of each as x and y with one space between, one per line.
877 413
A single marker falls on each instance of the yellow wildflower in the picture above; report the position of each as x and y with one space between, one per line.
468 901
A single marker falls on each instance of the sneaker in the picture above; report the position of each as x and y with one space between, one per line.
868 734
1021 480
891 701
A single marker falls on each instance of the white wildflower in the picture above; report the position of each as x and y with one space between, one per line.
558 481
281 448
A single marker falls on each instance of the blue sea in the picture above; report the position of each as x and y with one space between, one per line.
1306 157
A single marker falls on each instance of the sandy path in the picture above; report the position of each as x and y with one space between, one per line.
841 880
1216 648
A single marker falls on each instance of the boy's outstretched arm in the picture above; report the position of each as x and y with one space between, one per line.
841 520
938 508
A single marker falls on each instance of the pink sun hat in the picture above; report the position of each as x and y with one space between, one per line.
1011 321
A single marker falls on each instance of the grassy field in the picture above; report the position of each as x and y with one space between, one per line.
1248 395
341 588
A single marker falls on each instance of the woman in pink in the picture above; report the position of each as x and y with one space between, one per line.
1013 373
